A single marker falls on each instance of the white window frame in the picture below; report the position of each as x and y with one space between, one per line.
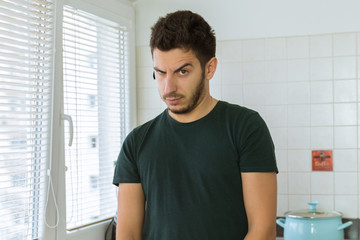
114 10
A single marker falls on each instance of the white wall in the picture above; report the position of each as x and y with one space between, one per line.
240 19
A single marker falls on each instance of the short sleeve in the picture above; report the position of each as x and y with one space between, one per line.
126 170
257 151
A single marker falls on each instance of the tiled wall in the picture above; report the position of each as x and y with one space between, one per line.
307 89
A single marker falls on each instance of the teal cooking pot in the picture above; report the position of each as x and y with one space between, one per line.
313 224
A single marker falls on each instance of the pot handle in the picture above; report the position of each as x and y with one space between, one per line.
344 225
281 222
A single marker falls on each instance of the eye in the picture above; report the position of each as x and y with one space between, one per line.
183 72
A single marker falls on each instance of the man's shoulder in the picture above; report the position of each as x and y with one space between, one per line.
142 129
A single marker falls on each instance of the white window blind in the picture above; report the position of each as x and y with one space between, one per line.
25 86
95 96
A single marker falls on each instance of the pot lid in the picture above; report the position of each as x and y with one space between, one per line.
313 212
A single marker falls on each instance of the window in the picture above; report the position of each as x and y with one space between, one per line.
95 68
47 190
25 87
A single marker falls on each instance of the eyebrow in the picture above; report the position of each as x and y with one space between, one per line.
177 70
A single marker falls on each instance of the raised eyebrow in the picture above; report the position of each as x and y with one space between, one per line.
180 68
177 70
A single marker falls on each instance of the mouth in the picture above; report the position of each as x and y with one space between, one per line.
173 101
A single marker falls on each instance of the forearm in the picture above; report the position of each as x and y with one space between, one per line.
131 212
260 197
126 233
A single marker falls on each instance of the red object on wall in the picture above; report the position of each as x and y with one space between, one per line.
322 160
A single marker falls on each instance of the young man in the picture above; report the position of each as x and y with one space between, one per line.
203 169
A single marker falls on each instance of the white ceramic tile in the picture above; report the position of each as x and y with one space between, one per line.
218 53
145 77
322 114
275 71
358 139
345 114
298 202
275 48
281 160
299 183
298 70
346 183
299 93
321 69
347 204
358 114
232 93
322 183
326 202
298 115
299 160
254 72
345 67
279 137
345 137
254 94
215 90
358 43
322 137
276 116
231 73
358 157
258 108
345 160
143 56
275 93
344 44
282 183
231 51
321 92
148 98
216 79
299 138
254 50
358 66
345 91
282 204
321 45
298 47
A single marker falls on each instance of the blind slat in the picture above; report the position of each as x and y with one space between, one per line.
26 43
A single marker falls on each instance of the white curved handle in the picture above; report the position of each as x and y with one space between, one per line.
71 127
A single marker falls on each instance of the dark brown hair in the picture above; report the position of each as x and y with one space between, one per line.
187 30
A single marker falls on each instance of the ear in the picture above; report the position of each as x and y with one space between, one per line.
210 68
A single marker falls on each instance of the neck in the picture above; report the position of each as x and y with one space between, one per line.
201 110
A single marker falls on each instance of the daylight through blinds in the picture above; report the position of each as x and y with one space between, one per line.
26 38
95 96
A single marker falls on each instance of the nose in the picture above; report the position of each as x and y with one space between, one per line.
170 83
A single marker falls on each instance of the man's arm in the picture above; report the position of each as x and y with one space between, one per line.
131 211
260 195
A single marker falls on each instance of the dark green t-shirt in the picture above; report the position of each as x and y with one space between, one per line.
190 172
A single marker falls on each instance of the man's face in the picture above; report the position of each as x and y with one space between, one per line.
180 79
